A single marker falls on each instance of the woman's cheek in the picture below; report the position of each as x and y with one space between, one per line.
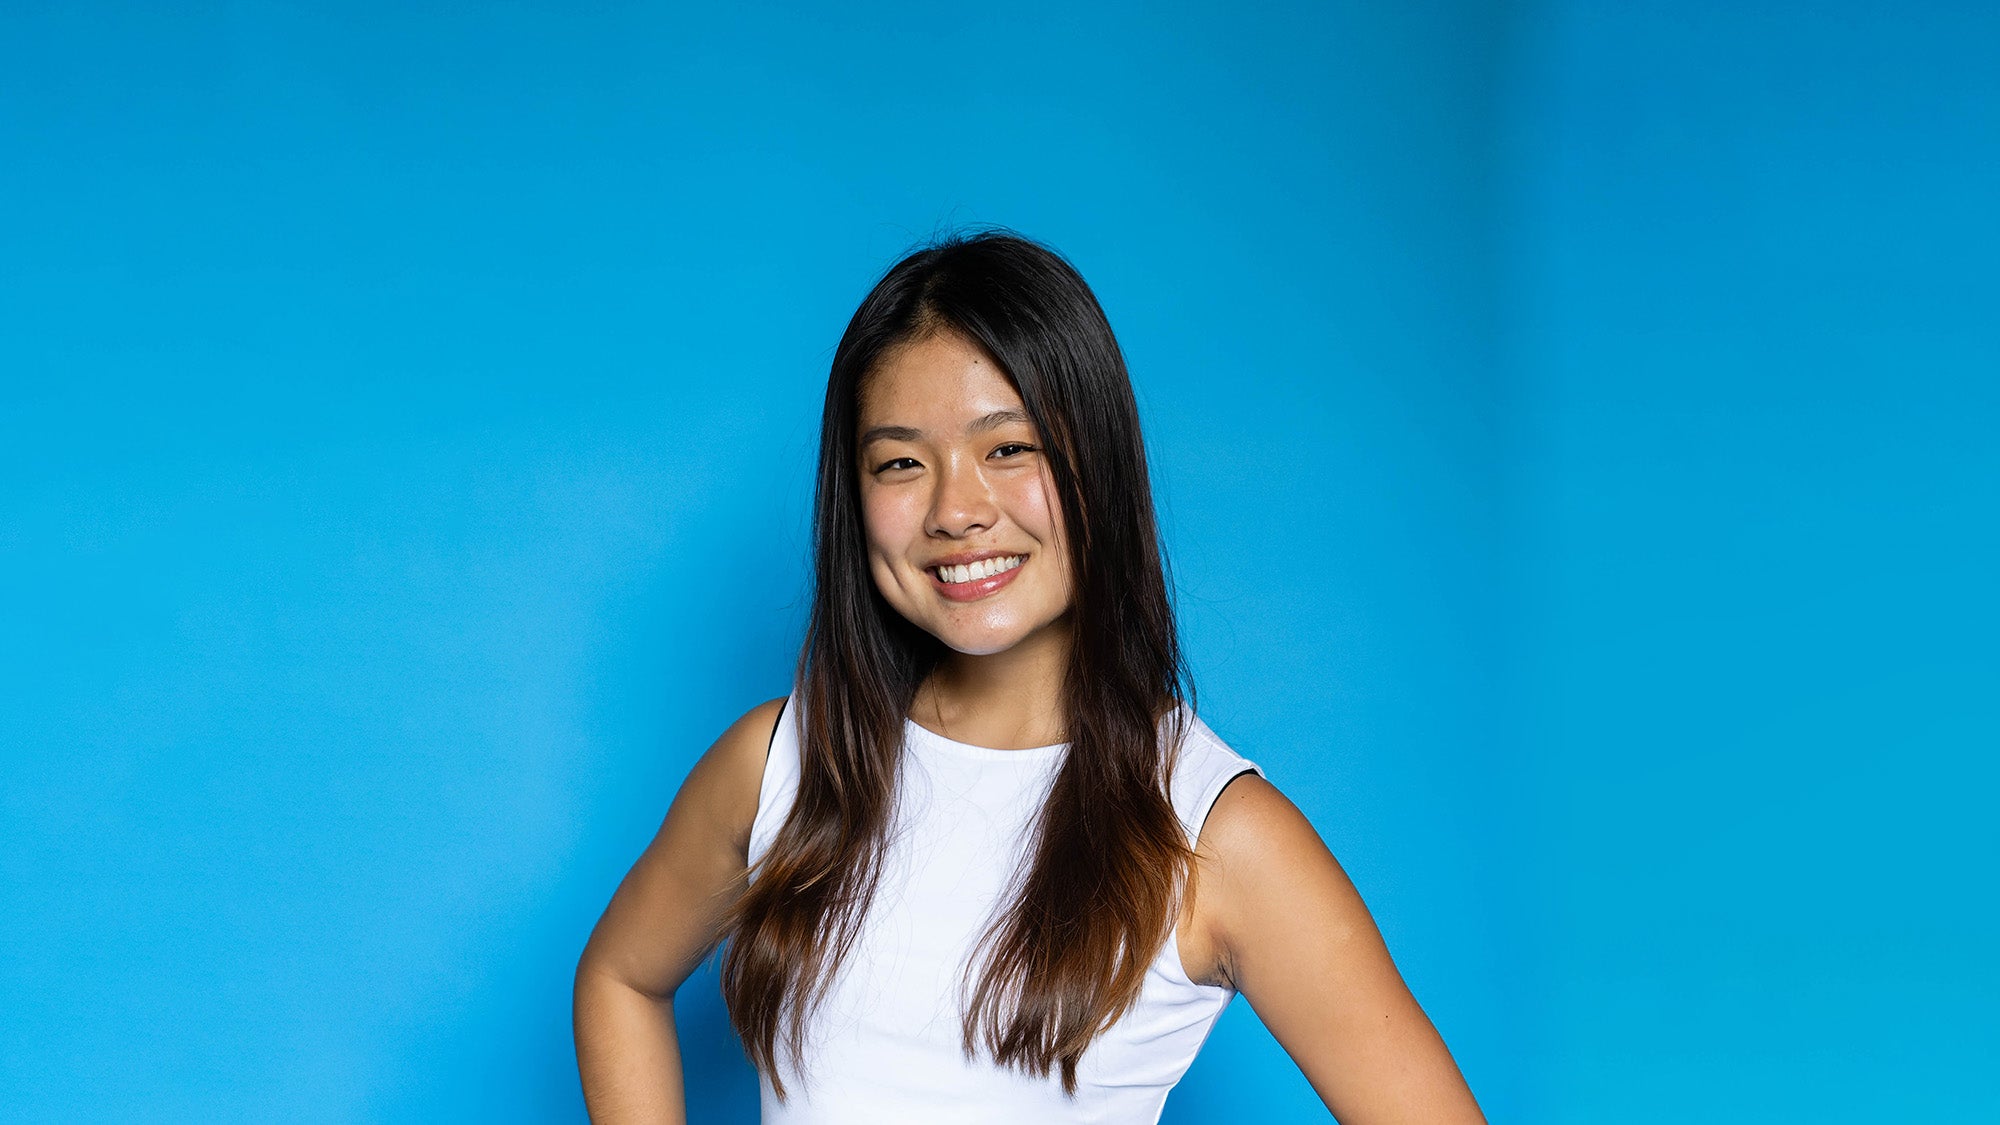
877 521
891 523
1047 510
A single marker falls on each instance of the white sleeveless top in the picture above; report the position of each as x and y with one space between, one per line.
885 1045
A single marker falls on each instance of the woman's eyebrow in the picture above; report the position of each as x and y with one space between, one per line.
978 425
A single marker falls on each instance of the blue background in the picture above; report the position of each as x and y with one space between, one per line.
1573 426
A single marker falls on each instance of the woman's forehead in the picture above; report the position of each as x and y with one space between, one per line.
938 385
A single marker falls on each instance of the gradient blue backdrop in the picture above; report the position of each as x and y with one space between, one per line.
1573 425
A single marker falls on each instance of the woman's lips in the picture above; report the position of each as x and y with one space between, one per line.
975 589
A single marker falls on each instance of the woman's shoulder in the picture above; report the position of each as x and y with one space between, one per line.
1203 767
1221 797
729 776
749 738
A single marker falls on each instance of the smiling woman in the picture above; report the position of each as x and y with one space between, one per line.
984 862
958 503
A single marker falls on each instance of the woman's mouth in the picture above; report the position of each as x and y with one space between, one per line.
975 580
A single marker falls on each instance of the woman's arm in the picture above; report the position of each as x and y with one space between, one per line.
1288 929
664 917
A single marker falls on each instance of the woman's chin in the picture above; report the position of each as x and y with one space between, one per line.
991 640
983 645
986 640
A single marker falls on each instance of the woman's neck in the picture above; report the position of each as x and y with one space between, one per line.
1010 700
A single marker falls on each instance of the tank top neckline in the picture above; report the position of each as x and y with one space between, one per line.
922 735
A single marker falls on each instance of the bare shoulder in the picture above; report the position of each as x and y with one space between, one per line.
1231 839
725 782
1253 826
1261 865
669 908
1290 932
1249 805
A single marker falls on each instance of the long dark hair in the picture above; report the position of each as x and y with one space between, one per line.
1103 883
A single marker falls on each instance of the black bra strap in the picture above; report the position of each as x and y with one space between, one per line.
773 740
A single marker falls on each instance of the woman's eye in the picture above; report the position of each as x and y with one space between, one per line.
1014 445
897 463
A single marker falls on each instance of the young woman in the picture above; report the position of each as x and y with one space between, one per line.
984 863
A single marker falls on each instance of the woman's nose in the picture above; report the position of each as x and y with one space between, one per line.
962 503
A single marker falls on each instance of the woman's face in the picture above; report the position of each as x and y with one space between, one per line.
953 475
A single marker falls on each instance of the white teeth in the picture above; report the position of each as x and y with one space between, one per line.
984 568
